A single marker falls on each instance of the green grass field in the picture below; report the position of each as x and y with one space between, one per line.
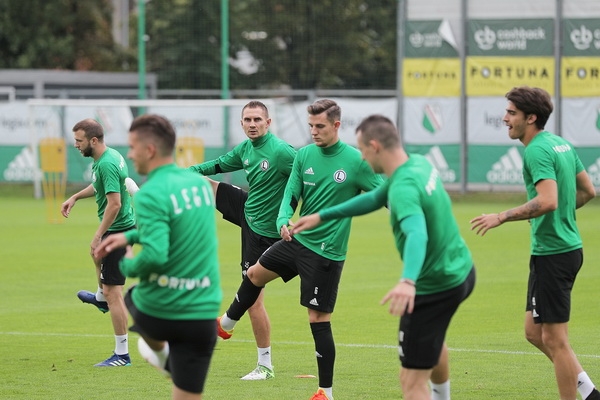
50 340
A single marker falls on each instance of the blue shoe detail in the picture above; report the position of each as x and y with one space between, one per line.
115 361
90 298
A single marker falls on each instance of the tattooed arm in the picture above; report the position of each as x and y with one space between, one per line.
545 202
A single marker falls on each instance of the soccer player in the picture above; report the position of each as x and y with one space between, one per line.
324 173
267 161
438 273
557 184
177 300
109 172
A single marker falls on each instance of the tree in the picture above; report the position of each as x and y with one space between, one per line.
347 44
59 34
184 43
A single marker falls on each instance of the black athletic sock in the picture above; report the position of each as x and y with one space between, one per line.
244 299
325 348
595 395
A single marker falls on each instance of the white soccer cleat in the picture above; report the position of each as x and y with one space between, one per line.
260 373
131 186
152 358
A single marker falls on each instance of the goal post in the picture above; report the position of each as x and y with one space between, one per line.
205 129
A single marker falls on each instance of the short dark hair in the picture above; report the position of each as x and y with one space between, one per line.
330 107
256 104
380 128
158 128
532 101
91 129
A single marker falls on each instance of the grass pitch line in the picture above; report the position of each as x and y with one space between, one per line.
290 343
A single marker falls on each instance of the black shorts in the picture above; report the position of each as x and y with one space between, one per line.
110 274
191 344
551 280
319 276
230 201
423 332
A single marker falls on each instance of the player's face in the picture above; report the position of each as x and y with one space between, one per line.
255 122
138 153
368 153
516 121
83 144
323 132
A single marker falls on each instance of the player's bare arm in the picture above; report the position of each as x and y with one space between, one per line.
545 202
66 207
585 189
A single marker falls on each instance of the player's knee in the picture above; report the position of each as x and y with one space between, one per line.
256 274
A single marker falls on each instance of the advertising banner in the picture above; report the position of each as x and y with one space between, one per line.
431 77
426 39
581 122
496 165
580 77
581 37
485 125
489 76
516 37
445 158
432 121
431 66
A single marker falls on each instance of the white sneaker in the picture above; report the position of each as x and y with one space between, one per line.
150 356
260 373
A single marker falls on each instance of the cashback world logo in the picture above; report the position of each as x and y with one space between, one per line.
584 38
508 169
509 38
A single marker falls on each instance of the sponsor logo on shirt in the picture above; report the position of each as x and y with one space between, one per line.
309 171
175 283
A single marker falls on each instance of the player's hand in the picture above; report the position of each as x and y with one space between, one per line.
306 222
94 244
284 232
110 243
65 208
484 222
401 298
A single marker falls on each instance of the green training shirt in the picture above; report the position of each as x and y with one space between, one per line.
322 177
108 176
267 162
177 265
548 156
415 189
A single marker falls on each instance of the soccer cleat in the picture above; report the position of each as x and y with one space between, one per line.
115 361
260 373
90 298
223 334
320 395
150 356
